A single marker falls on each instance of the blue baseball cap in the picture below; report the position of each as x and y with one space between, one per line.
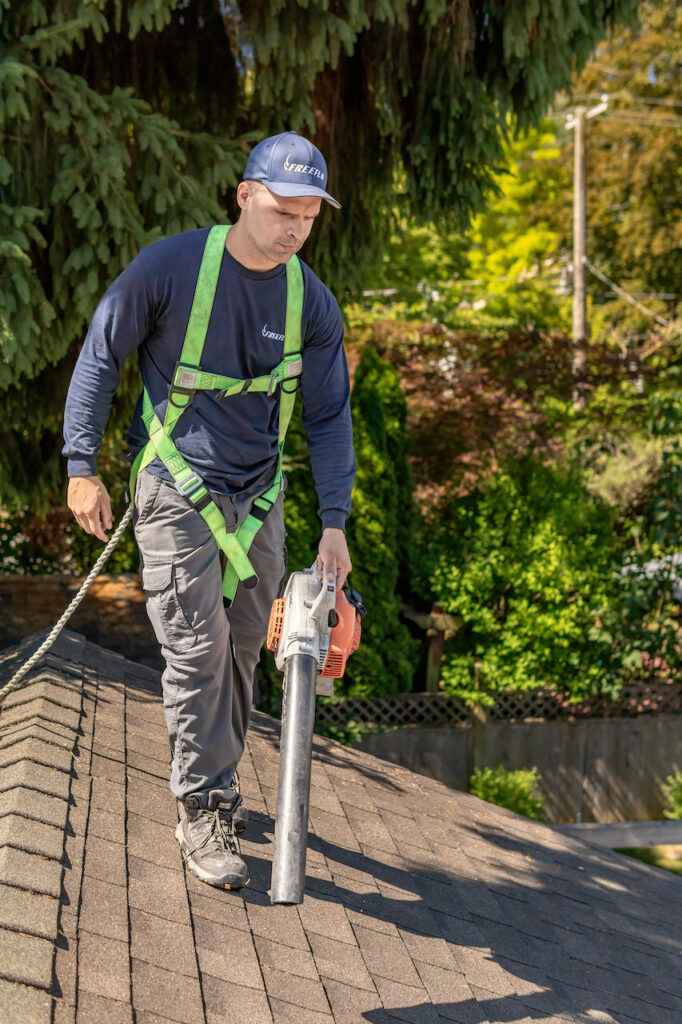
289 165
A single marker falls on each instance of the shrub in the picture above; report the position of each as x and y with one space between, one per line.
644 622
518 790
380 531
526 563
673 797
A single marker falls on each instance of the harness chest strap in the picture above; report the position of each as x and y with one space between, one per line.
189 377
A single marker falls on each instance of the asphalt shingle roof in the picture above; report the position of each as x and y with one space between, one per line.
423 904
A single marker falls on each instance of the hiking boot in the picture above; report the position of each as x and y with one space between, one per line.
209 846
240 815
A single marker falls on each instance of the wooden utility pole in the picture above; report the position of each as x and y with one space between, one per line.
578 121
579 228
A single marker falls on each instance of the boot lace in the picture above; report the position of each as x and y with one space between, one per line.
225 829
220 833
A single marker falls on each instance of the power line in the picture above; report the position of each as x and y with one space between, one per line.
632 117
617 290
651 101
623 97
623 294
580 261
644 115
645 118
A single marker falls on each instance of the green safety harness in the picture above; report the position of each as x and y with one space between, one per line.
189 377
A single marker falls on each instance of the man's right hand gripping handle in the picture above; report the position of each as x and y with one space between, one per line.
89 501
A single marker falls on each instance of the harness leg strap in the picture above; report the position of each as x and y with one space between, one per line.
247 533
230 544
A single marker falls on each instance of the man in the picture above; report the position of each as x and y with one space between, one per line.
206 433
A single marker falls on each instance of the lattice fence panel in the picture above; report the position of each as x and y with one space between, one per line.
643 699
636 699
435 709
544 704
395 710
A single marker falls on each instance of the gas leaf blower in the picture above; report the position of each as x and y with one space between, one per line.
313 630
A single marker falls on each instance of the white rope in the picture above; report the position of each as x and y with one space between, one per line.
16 680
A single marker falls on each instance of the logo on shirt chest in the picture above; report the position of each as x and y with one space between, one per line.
273 331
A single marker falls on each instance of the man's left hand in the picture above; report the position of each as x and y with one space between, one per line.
333 556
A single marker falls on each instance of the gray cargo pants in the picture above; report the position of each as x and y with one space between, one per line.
211 652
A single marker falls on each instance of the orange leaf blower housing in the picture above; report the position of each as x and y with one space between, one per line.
345 634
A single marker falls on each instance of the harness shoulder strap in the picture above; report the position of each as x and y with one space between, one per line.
292 345
200 314
192 348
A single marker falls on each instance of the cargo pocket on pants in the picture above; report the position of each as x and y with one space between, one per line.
164 604
146 490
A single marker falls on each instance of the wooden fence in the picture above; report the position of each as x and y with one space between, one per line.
599 761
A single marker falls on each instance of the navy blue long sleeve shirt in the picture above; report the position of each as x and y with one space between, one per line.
232 442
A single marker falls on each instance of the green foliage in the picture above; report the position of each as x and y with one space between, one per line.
642 623
121 122
32 542
673 797
662 513
505 271
350 733
633 416
423 89
525 562
518 790
657 857
555 587
56 544
300 507
622 475
380 534
88 176
634 155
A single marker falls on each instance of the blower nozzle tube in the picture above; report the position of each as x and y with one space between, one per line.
293 795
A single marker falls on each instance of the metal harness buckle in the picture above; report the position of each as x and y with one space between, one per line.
292 371
193 484
187 385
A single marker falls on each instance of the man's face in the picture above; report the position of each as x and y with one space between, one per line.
276 226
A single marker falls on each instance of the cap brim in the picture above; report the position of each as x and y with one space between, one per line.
284 188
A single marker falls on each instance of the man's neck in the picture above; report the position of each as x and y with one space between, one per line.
242 249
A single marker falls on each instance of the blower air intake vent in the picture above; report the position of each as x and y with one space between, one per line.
275 625
334 665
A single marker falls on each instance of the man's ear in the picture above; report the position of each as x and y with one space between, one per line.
243 194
